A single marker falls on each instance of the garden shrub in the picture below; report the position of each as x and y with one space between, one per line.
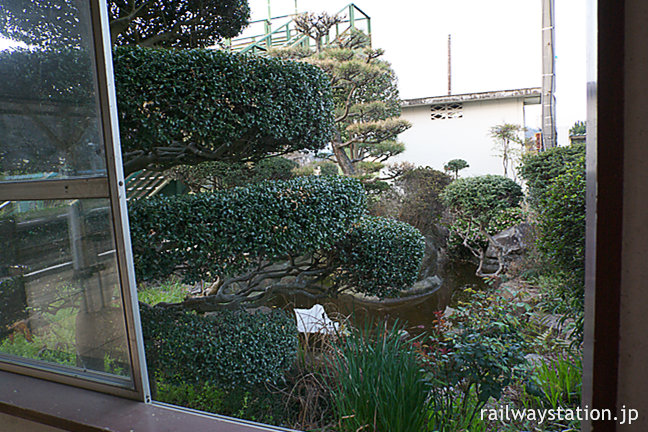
227 232
421 205
471 358
480 208
561 219
187 106
539 169
228 349
380 256
481 198
326 168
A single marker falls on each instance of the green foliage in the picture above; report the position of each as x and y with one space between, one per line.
188 106
226 175
204 397
169 292
505 136
325 168
481 198
420 204
456 165
38 349
579 128
557 383
228 349
227 232
562 220
187 24
474 362
367 106
380 256
538 170
462 229
377 383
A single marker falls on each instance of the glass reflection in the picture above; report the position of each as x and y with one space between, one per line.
49 126
59 287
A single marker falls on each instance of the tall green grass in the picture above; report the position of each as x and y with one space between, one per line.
377 383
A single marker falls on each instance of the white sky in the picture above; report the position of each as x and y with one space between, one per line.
496 45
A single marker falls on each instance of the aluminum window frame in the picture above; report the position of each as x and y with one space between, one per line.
110 187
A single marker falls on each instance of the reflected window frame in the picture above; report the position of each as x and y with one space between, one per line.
112 188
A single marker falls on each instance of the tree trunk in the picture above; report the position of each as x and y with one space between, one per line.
348 169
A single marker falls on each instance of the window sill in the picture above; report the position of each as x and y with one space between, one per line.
76 409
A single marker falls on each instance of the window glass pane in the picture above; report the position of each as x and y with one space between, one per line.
49 126
59 288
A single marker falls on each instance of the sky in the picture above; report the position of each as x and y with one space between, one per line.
496 45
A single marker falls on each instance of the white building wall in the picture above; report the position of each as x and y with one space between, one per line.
434 142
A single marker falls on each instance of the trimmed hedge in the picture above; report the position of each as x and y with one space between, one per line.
225 233
232 106
380 256
231 349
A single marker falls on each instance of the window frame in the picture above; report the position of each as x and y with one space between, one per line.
605 144
111 187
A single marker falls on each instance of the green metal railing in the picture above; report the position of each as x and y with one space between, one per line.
287 36
144 184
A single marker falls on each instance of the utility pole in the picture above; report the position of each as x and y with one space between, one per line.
548 100
449 64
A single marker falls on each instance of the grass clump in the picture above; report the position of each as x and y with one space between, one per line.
378 383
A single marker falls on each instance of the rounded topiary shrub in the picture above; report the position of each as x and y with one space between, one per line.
380 256
231 349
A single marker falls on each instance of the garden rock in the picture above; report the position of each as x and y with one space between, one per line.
514 240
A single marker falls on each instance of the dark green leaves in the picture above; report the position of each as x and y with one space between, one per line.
229 349
189 106
380 256
225 233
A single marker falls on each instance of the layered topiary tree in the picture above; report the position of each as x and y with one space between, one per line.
367 104
456 165
305 235
190 106
481 207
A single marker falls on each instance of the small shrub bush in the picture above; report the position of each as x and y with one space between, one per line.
421 205
471 360
562 220
228 349
481 198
